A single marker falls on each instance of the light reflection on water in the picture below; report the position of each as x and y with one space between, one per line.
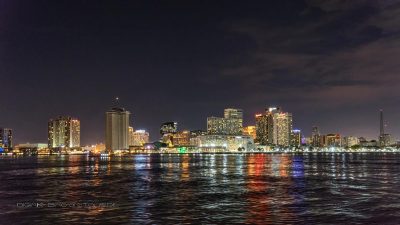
204 188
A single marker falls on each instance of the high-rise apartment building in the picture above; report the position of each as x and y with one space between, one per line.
6 140
230 124
296 138
64 132
117 129
384 138
274 127
282 128
263 129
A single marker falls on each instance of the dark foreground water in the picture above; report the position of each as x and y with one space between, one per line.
342 188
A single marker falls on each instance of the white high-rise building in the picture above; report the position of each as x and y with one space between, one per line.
64 132
282 128
230 124
117 129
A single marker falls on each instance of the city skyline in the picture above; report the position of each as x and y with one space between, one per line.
327 64
227 114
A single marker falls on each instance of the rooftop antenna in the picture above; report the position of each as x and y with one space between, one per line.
382 126
116 101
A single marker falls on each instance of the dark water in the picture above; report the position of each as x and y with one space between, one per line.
202 189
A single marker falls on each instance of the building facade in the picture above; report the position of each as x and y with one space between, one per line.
274 127
117 129
230 143
350 141
263 129
333 140
6 138
64 132
181 138
139 138
250 131
282 128
315 137
296 138
230 124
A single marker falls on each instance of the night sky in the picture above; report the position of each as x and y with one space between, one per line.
333 64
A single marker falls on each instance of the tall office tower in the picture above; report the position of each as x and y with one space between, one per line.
382 129
140 137
265 126
117 129
234 114
263 129
274 127
230 124
6 138
296 138
315 137
282 128
234 117
64 132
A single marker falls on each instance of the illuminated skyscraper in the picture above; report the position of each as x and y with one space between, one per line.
384 139
282 128
64 132
231 124
117 129
263 129
6 138
274 127
231 113
215 125
296 138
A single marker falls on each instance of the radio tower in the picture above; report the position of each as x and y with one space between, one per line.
382 129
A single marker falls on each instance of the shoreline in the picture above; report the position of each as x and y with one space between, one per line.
196 153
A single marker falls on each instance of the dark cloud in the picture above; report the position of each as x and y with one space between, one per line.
350 47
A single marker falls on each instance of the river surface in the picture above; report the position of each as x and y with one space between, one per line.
324 188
